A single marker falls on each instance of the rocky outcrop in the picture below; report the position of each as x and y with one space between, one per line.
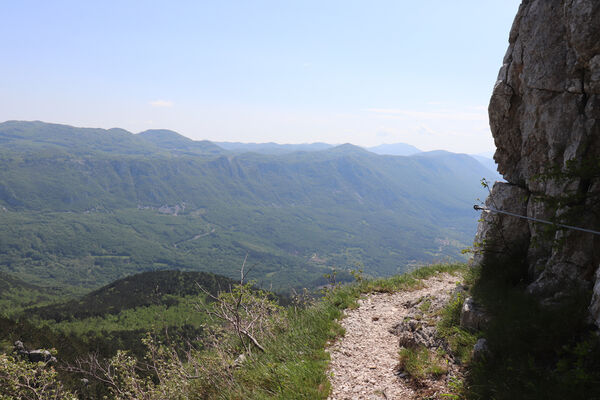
413 333
34 356
545 118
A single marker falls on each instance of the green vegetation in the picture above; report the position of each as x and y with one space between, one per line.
460 341
118 316
425 305
164 288
293 364
90 250
153 318
409 280
23 380
16 294
420 363
83 207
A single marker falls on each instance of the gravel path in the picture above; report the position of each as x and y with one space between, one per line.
363 362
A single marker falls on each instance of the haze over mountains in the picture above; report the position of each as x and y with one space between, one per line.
83 207
393 149
396 149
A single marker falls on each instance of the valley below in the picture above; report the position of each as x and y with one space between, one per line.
84 207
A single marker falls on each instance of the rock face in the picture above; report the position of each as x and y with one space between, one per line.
545 119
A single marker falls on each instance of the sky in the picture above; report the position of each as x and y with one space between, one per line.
285 71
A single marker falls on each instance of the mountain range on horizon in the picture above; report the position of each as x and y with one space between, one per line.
390 149
83 207
167 139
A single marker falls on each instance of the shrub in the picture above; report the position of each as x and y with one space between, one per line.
20 379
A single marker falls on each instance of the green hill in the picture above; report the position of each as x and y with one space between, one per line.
174 142
140 290
36 137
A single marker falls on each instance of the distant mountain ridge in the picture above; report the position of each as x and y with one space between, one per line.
38 136
395 149
272 148
173 141
490 164
392 149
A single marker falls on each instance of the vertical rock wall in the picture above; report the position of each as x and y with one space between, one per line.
545 119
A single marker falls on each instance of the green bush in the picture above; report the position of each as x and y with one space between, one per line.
20 379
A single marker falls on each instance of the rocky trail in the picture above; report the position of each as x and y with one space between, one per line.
364 363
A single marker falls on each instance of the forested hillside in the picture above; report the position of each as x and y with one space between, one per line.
83 207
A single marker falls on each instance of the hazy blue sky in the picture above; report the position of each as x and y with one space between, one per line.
365 72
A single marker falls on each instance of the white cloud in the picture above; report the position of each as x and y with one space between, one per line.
161 103
425 130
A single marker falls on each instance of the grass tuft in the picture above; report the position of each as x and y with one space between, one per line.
461 341
420 363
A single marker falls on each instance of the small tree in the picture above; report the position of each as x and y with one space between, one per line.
162 374
21 379
249 313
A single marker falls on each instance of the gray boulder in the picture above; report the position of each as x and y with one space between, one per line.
33 356
472 316
480 350
412 334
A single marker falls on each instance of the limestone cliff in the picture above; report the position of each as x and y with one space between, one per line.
545 118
